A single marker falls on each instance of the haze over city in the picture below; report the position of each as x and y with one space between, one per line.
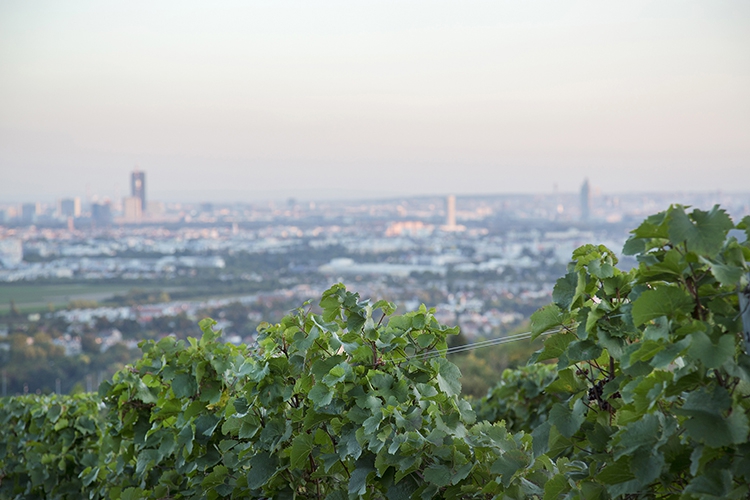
245 101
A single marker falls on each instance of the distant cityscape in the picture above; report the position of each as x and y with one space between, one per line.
92 274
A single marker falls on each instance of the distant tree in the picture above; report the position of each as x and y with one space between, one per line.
14 312
89 344
82 304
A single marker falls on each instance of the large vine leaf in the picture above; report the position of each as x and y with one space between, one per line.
448 377
702 232
567 420
263 466
302 446
545 318
706 422
662 301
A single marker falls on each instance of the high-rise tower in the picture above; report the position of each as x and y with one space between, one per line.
450 219
138 187
101 214
585 200
70 207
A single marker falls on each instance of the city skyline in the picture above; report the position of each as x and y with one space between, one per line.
120 196
588 205
240 102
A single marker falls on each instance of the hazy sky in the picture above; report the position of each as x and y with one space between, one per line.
241 100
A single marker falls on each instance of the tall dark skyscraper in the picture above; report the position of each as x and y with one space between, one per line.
585 200
138 187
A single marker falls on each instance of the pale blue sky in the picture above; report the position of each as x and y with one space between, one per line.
243 100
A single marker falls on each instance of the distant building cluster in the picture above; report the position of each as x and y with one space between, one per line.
72 213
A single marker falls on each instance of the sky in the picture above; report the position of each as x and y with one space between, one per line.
239 100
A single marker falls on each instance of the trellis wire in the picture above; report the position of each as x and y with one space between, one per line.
473 346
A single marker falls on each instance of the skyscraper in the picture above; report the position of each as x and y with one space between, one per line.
585 200
29 212
450 219
101 214
132 209
138 187
70 207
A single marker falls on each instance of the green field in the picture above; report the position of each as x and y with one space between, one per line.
31 298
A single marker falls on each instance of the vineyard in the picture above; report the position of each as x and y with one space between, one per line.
642 390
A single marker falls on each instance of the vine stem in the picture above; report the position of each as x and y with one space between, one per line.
719 378
326 350
381 319
690 283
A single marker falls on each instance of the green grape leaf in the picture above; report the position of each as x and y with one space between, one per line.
555 487
508 464
448 377
462 473
335 375
302 446
544 319
653 227
402 490
184 385
206 424
418 321
566 382
710 354
706 422
355 321
659 330
54 413
582 350
616 472
727 275
744 224
331 302
425 340
662 301
215 477
641 434
647 465
146 458
438 474
667 356
388 308
186 437
565 290
647 350
358 479
555 346
716 484
567 421
263 466
241 406
372 423
132 494
144 393
337 495
321 395
702 232
634 246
